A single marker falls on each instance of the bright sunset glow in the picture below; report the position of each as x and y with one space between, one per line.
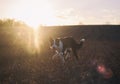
40 13
61 12
33 13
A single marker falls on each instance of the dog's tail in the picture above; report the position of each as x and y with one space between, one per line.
81 43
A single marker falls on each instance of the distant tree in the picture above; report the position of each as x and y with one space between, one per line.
15 32
1 23
12 23
9 22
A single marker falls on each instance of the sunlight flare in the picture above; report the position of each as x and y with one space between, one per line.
34 14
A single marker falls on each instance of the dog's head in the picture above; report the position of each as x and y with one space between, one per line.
54 43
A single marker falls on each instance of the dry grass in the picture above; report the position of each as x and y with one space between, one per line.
102 46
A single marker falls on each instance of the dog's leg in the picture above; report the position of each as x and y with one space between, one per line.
68 51
62 57
75 53
67 55
54 56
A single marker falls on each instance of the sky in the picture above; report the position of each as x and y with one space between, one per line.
61 12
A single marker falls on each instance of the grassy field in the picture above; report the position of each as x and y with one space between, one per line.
22 63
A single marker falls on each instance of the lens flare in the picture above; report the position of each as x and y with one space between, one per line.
101 68
36 39
104 71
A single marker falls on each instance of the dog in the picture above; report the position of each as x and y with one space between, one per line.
64 46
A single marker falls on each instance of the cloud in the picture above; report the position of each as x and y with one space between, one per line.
75 16
69 16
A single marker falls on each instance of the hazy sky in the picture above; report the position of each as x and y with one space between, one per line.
61 12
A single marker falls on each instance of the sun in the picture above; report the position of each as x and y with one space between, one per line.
45 16
34 12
